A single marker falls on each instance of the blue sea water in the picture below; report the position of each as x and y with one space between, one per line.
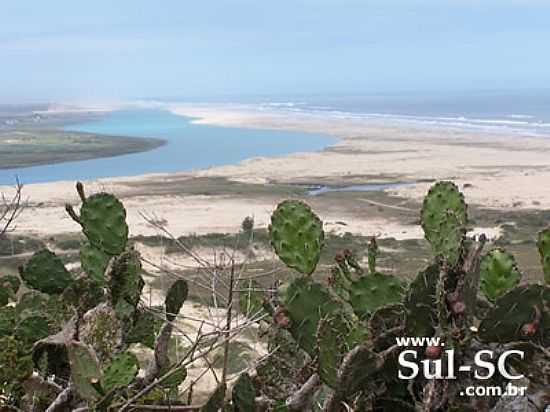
193 146
188 146
517 112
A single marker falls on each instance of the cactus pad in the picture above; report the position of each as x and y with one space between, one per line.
85 370
102 330
126 283
32 329
306 302
505 322
8 318
103 220
94 261
384 325
175 379
297 235
9 285
374 291
215 401
357 369
331 346
420 305
31 303
177 294
84 294
243 394
145 329
444 217
251 300
121 371
498 273
45 272
543 244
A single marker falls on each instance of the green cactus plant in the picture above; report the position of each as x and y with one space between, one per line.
31 329
297 235
420 302
306 303
498 273
543 244
9 287
103 219
215 401
85 370
176 296
385 324
8 319
145 328
126 283
340 336
371 292
372 253
46 273
175 379
94 261
520 314
331 346
251 300
444 217
243 394
121 371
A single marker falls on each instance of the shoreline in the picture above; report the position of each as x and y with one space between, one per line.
494 172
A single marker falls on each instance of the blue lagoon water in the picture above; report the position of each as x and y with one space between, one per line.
188 146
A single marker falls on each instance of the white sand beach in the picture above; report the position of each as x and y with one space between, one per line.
494 170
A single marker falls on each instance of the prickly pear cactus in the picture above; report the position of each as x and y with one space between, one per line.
176 296
251 300
45 272
9 285
121 371
102 329
372 253
374 291
543 244
215 401
94 261
306 303
103 220
85 371
385 324
145 328
243 394
420 303
444 217
357 369
297 235
8 319
520 314
126 283
498 273
174 379
331 346
31 329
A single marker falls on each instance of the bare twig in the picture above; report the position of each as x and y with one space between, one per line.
10 209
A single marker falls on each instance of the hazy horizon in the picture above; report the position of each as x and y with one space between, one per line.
106 50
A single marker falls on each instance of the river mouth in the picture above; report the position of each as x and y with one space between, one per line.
189 146
317 190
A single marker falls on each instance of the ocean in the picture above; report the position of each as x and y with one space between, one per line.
194 146
526 113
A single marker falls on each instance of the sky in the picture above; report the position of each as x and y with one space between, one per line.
60 50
